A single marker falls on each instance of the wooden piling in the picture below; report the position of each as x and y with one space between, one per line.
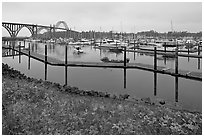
24 43
66 64
124 56
45 62
45 53
134 44
176 59
28 56
198 58
155 58
13 45
198 50
19 52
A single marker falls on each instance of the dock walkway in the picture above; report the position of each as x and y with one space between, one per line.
167 53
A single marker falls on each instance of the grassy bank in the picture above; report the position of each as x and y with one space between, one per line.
31 106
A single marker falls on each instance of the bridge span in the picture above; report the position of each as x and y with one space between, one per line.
14 28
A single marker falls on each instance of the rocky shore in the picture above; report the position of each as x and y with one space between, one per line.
34 107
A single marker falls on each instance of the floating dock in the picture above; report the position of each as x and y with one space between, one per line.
168 53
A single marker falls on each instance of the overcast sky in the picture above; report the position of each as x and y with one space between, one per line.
120 16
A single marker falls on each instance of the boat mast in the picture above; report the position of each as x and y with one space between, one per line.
172 26
121 36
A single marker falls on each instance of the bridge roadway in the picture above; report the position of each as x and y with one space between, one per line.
33 25
160 69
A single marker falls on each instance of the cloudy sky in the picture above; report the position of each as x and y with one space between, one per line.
116 16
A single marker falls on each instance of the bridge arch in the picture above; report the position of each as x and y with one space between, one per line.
8 29
62 22
24 26
15 29
5 32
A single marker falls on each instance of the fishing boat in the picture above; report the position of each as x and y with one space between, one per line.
85 42
110 43
106 59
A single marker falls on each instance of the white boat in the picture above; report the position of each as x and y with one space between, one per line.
81 42
155 44
85 42
77 49
110 43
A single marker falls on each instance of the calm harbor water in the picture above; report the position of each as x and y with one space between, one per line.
137 83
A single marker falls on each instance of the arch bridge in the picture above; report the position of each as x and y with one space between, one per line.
14 28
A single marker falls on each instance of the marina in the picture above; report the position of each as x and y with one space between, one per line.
102 68
62 57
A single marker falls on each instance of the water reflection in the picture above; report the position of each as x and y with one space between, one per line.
155 83
176 89
198 63
139 82
124 78
28 62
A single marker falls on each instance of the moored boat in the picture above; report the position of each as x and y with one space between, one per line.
77 49
106 59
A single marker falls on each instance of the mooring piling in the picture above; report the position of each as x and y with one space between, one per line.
125 56
66 64
13 46
45 62
155 58
198 50
19 59
28 56
176 60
